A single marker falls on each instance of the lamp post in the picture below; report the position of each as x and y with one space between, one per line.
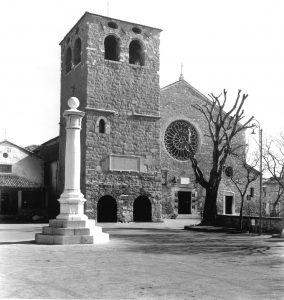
260 170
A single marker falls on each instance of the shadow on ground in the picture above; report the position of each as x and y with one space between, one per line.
18 243
179 242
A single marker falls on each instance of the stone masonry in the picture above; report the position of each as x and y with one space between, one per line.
122 96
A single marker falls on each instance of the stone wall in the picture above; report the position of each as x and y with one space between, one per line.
269 224
124 188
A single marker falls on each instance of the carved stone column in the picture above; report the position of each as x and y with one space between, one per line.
72 200
72 226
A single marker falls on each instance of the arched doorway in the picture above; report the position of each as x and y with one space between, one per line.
142 209
107 209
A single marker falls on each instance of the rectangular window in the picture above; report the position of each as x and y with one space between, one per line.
264 191
5 168
252 192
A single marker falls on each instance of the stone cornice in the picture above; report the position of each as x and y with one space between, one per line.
101 110
135 114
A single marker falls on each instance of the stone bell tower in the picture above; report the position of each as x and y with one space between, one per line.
112 67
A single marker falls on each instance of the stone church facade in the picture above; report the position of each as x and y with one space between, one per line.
181 194
133 168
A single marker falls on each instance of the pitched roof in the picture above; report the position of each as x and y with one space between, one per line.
193 90
26 150
14 181
49 151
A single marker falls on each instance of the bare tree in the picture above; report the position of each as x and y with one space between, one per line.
223 128
242 177
273 157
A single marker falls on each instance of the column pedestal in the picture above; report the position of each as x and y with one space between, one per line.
62 232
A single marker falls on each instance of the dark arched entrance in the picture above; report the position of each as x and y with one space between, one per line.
142 209
107 209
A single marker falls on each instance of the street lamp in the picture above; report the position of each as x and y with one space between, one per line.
260 170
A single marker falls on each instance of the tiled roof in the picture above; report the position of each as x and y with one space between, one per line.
14 181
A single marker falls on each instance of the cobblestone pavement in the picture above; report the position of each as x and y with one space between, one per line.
142 261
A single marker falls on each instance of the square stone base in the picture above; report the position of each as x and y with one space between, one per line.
64 232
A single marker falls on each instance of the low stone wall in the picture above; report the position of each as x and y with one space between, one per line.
269 224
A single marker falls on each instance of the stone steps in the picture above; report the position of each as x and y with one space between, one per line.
66 232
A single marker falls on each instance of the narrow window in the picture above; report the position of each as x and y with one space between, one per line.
252 192
68 60
102 126
136 53
77 51
111 48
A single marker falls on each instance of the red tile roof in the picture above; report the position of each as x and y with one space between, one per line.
14 181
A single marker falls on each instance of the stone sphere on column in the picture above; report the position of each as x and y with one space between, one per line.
73 103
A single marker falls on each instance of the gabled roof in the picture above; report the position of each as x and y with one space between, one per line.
193 90
247 166
18 147
49 151
14 181
52 141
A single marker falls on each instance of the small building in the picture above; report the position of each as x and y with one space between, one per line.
273 198
22 190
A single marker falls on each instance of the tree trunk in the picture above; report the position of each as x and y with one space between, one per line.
241 214
273 213
210 208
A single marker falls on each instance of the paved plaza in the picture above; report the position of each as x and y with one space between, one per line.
142 261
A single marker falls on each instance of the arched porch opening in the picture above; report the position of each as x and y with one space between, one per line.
107 209
142 209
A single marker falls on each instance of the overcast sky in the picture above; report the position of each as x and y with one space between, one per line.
221 44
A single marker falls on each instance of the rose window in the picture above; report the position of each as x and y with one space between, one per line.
181 140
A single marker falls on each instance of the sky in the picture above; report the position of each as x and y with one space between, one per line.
222 44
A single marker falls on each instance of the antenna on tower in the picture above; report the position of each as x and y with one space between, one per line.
181 75
107 8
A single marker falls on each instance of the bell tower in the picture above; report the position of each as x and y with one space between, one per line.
112 67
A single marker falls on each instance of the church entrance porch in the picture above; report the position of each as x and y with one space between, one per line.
24 203
184 202
142 209
107 209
